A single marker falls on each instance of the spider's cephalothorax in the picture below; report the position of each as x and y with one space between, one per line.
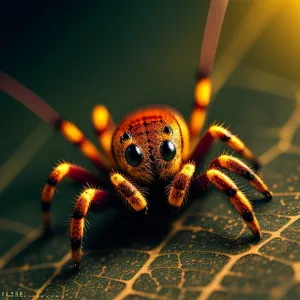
150 146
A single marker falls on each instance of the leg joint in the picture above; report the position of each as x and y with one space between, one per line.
75 244
46 206
247 215
230 192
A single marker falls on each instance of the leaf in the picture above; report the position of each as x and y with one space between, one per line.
205 251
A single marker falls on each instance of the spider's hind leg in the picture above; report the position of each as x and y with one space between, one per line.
63 170
235 165
222 134
229 188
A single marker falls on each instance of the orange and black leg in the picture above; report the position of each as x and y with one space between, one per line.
219 133
229 188
63 170
104 127
179 188
203 89
129 192
202 98
235 165
89 199
77 138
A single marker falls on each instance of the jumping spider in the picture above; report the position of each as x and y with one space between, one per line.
150 146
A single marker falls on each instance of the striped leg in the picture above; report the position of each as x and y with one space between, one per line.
104 127
237 198
89 199
33 102
61 171
202 99
237 166
180 186
77 138
219 133
129 192
203 91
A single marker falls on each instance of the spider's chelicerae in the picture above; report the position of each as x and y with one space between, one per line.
150 146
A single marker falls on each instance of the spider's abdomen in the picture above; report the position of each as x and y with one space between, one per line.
151 143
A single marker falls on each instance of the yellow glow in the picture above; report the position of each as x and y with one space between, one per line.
71 132
243 38
100 117
203 92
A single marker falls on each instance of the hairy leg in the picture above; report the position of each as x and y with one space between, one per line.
237 198
63 170
219 133
129 191
89 199
235 165
180 186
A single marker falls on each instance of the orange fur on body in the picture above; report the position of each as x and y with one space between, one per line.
147 131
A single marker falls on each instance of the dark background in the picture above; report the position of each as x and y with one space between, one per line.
127 54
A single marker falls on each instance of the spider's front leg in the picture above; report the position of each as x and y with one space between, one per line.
229 188
89 199
129 191
180 185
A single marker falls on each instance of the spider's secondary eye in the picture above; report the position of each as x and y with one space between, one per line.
125 136
134 155
168 130
167 150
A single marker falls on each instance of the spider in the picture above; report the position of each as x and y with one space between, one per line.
152 147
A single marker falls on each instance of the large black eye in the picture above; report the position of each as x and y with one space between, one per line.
134 155
167 150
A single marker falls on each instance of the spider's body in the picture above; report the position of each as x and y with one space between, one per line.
152 148
156 131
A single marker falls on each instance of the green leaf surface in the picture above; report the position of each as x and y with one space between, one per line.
128 56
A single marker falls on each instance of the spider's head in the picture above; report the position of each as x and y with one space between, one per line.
148 145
